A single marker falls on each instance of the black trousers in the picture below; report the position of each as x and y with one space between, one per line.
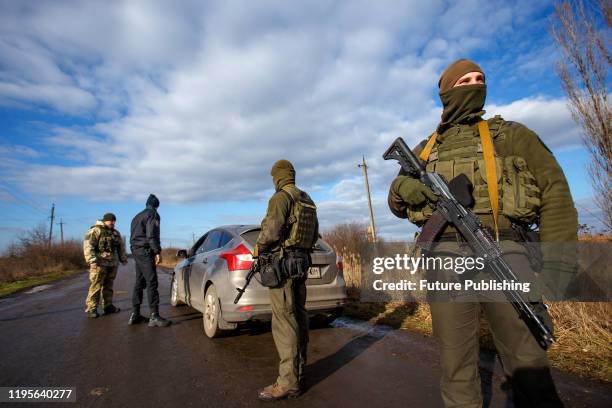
146 277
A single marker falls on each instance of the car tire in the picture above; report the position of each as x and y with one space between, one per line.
174 298
212 313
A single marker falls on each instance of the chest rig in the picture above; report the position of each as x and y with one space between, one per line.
502 183
108 243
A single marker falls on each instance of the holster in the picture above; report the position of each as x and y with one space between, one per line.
270 270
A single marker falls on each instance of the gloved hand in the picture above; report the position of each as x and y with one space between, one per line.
412 191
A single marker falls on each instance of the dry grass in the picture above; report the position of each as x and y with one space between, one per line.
583 329
169 259
36 259
584 338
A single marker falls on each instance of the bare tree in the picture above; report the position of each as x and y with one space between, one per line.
347 238
582 33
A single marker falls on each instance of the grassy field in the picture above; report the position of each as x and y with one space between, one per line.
7 288
33 261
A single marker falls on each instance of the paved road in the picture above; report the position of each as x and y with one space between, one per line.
46 340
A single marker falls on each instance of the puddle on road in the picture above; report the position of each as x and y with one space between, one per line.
37 289
360 326
399 337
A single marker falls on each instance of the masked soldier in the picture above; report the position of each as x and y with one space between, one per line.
103 248
516 181
288 233
146 248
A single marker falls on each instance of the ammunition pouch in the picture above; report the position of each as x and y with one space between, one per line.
270 270
519 194
296 263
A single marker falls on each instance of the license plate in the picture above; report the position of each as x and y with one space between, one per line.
314 272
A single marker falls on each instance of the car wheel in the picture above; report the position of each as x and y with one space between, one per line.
174 299
212 313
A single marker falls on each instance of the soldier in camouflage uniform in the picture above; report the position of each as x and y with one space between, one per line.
531 187
289 230
104 249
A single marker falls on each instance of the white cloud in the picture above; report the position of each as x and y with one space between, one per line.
196 100
549 118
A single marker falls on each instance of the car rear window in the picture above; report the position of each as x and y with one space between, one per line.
251 238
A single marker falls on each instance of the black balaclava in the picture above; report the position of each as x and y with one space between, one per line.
152 201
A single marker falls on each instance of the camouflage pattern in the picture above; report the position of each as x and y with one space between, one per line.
104 246
101 280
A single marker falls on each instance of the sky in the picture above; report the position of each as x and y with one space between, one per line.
102 103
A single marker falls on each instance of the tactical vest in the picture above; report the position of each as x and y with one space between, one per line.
461 151
302 223
108 243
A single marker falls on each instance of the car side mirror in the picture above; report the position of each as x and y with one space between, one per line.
181 253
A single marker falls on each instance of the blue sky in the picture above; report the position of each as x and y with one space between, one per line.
193 101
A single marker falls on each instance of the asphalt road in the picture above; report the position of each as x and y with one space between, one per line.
46 340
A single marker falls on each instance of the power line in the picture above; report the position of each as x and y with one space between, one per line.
29 202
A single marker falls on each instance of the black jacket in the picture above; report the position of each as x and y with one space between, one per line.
145 230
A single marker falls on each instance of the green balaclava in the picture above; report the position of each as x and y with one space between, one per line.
461 103
282 173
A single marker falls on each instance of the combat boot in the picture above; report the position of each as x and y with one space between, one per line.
157 320
93 314
277 392
136 318
111 309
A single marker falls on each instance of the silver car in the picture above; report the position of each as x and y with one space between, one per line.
218 263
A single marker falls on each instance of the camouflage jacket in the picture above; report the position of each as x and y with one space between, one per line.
104 246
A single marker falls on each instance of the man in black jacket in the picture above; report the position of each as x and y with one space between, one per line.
146 248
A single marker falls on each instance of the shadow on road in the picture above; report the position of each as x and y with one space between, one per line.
323 368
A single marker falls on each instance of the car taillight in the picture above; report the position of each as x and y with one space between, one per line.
238 258
340 265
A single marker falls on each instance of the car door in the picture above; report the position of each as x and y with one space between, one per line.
200 266
185 271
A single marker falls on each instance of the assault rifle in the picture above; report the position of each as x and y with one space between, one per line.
252 271
450 209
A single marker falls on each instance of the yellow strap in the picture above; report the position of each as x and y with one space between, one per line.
427 149
491 169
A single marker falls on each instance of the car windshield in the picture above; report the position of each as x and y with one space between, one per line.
251 237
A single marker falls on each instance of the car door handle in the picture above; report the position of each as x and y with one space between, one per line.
205 260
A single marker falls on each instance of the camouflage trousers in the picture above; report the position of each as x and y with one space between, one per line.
101 280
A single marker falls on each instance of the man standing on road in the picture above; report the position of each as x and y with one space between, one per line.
516 181
103 248
146 248
288 233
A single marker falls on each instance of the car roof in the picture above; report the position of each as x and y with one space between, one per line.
238 228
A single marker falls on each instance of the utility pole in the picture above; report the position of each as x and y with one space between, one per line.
61 224
51 223
364 166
